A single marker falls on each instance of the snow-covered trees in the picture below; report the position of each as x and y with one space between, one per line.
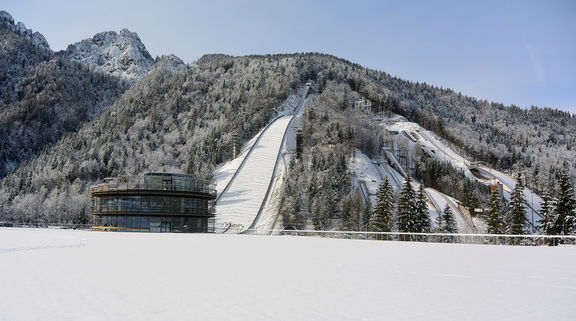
422 222
549 223
382 217
446 223
516 218
190 120
559 213
494 217
565 207
406 207
351 212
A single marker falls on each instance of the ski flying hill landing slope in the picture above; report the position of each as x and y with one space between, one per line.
242 198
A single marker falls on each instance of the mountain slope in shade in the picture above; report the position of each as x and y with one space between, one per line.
120 54
20 51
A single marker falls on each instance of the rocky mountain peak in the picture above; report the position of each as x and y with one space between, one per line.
36 38
121 54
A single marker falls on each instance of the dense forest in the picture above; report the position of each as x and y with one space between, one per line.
66 126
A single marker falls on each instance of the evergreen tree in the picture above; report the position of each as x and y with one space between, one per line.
347 224
494 217
366 215
516 222
439 221
406 207
422 222
548 214
565 206
382 215
449 221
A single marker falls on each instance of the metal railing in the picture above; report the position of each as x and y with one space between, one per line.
493 239
140 184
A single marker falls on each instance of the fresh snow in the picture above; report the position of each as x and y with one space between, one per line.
439 201
242 195
241 202
429 142
83 275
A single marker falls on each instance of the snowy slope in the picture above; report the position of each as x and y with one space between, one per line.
429 142
245 181
435 147
241 202
83 275
439 201
269 218
533 201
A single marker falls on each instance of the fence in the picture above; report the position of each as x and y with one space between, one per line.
494 239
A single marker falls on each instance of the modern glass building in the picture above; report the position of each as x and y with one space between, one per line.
157 202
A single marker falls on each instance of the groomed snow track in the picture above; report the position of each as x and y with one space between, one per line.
240 203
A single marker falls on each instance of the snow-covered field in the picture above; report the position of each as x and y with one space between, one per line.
82 275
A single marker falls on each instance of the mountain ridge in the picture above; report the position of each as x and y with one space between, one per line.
188 118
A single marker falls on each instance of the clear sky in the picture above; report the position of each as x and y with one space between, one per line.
514 52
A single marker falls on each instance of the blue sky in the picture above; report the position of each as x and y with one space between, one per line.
514 52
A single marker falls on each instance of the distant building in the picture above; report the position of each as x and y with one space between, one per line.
157 202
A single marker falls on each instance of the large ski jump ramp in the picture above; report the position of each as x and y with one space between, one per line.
240 203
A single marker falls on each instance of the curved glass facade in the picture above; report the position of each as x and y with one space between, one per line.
157 202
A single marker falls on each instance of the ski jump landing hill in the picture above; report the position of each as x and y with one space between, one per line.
244 183
436 148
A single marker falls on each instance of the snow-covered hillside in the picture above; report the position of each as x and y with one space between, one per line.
81 275
244 182
435 147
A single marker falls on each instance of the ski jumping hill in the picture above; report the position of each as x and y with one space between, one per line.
246 191
434 147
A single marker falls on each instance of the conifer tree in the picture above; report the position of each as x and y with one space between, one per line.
565 206
422 222
347 224
439 221
516 222
548 214
495 217
382 215
406 207
366 215
448 221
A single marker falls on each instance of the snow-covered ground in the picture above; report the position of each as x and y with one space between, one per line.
241 196
82 275
533 200
439 201
428 141
241 202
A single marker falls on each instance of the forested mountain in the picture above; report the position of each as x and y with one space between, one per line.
44 96
56 98
20 51
85 122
